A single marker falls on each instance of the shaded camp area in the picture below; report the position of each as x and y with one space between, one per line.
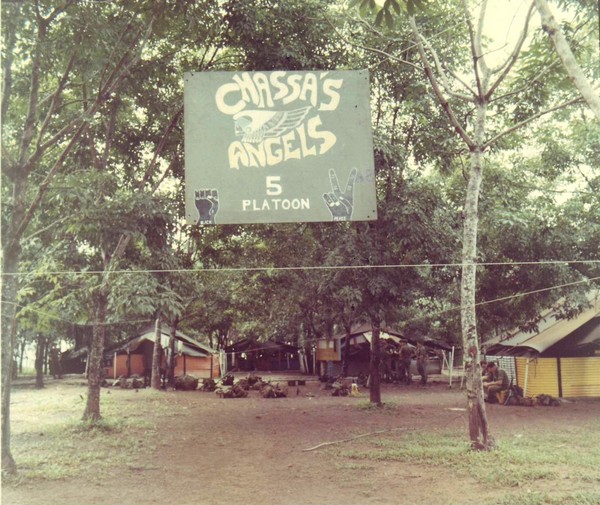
135 356
330 352
74 360
560 358
247 355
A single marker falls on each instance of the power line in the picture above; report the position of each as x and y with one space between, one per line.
505 298
297 268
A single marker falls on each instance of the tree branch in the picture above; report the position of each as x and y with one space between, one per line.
29 124
544 71
110 133
530 119
11 39
443 80
28 215
436 89
372 49
54 100
476 52
506 67
163 141
573 69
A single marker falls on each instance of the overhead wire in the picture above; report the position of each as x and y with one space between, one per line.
428 316
301 267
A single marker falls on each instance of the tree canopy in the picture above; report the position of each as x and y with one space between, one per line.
93 235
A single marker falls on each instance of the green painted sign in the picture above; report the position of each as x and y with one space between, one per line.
275 147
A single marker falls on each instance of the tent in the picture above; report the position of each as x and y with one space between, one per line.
330 352
561 357
269 356
135 356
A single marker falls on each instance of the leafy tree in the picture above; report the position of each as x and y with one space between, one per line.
87 61
483 92
45 112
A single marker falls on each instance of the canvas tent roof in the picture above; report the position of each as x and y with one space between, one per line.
183 343
579 336
248 345
368 335
365 331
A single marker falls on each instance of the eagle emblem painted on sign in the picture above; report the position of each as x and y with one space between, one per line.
256 125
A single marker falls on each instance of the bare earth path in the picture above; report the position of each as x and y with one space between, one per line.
207 450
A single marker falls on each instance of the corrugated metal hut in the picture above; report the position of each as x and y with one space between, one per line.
135 357
561 358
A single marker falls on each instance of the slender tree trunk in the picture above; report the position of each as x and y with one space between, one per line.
171 371
45 359
346 355
86 372
9 328
94 366
156 353
478 424
375 378
564 52
39 361
22 355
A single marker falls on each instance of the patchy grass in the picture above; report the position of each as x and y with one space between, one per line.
535 461
556 498
389 406
51 442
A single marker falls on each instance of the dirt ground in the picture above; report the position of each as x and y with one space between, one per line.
252 451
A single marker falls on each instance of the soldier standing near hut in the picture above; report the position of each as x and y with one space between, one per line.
387 362
55 363
404 362
421 357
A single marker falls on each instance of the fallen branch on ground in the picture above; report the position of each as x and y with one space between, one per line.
354 438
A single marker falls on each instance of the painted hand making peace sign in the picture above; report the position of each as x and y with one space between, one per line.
340 202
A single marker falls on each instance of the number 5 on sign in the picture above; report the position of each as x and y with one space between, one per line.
273 186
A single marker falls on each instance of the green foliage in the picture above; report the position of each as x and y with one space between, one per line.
291 35
389 9
105 190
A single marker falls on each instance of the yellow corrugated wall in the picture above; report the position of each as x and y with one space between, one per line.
542 377
580 377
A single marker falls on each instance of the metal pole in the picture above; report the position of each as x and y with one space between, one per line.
451 367
526 378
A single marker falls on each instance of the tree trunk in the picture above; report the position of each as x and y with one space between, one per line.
9 328
87 361
564 52
478 424
22 355
375 378
156 353
45 359
94 365
171 370
39 361
348 330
